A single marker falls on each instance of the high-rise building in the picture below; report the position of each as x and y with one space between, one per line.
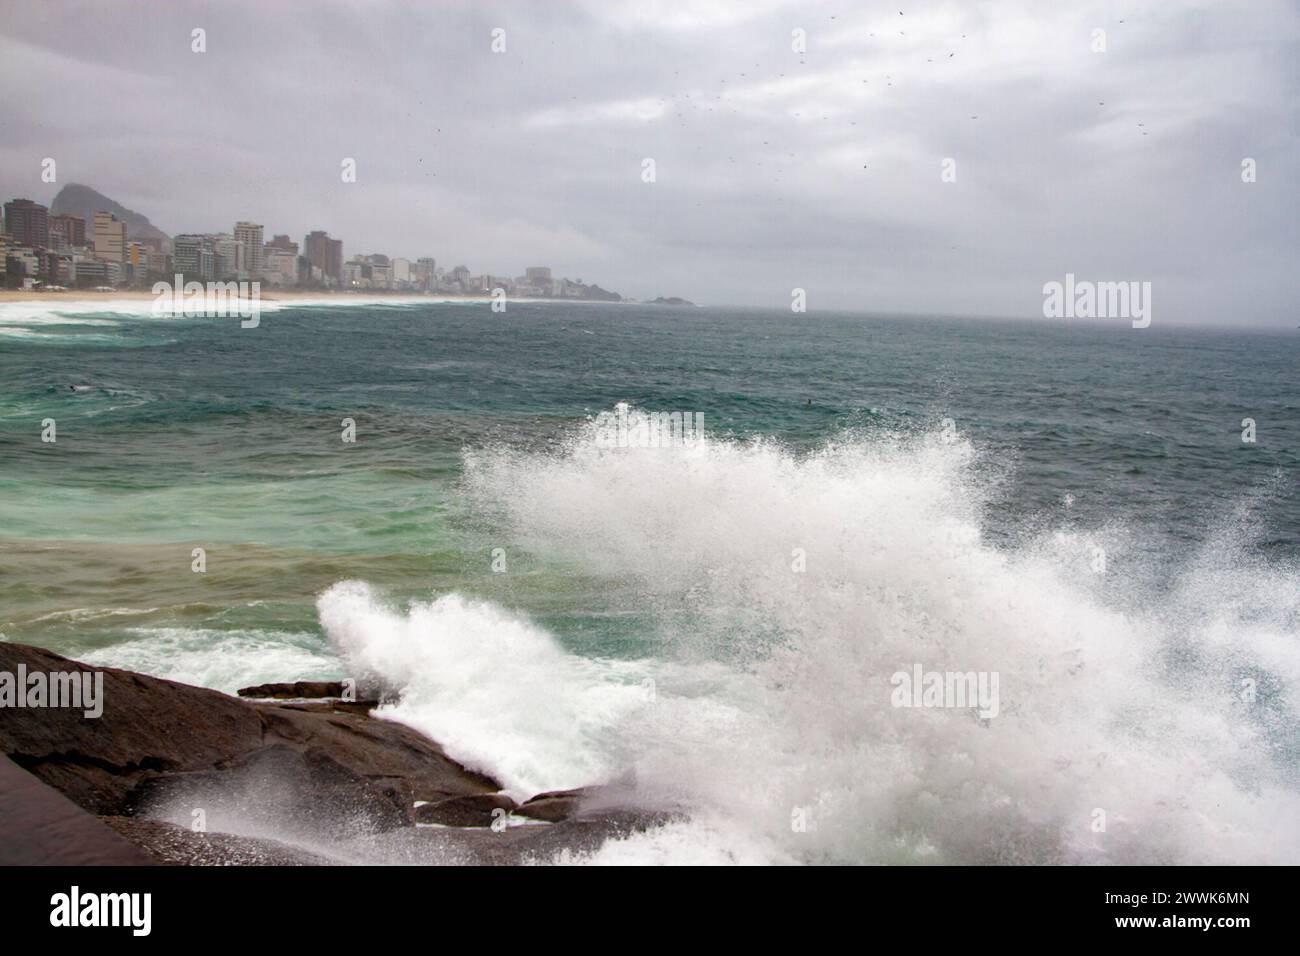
280 267
28 222
283 242
229 257
357 273
249 235
325 254
96 272
424 274
334 258
137 260
67 231
110 237
313 249
194 257
65 270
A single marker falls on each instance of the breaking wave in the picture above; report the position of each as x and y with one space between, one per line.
1142 718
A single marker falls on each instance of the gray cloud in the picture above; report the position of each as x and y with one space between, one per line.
774 169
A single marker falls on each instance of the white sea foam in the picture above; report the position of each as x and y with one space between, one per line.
52 309
772 686
708 839
60 311
222 659
497 691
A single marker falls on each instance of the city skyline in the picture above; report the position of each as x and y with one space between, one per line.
41 248
775 169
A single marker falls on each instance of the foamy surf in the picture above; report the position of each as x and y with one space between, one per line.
1123 735
498 692
224 660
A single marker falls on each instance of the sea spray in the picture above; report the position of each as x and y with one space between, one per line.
496 690
1120 736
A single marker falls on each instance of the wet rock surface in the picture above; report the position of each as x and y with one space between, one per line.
289 775
152 729
173 845
477 810
41 827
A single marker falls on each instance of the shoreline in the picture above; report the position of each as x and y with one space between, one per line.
278 295
311 296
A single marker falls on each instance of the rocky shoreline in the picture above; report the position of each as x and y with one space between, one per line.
284 774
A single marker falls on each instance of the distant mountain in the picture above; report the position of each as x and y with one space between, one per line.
596 293
671 300
75 199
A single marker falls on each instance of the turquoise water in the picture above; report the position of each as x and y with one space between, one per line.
826 432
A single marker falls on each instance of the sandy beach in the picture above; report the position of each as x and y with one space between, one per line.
272 295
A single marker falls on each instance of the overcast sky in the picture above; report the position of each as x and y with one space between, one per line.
774 169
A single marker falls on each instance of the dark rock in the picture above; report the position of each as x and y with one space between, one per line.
148 726
174 845
359 707
277 789
302 689
472 811
154 728
553 806
377 750
530 843
41 827
300 783
614 801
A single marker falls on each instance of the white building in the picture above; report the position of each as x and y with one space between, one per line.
109 237
280 267
249 236
230 257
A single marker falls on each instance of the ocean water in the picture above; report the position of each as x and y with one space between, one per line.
1069 506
